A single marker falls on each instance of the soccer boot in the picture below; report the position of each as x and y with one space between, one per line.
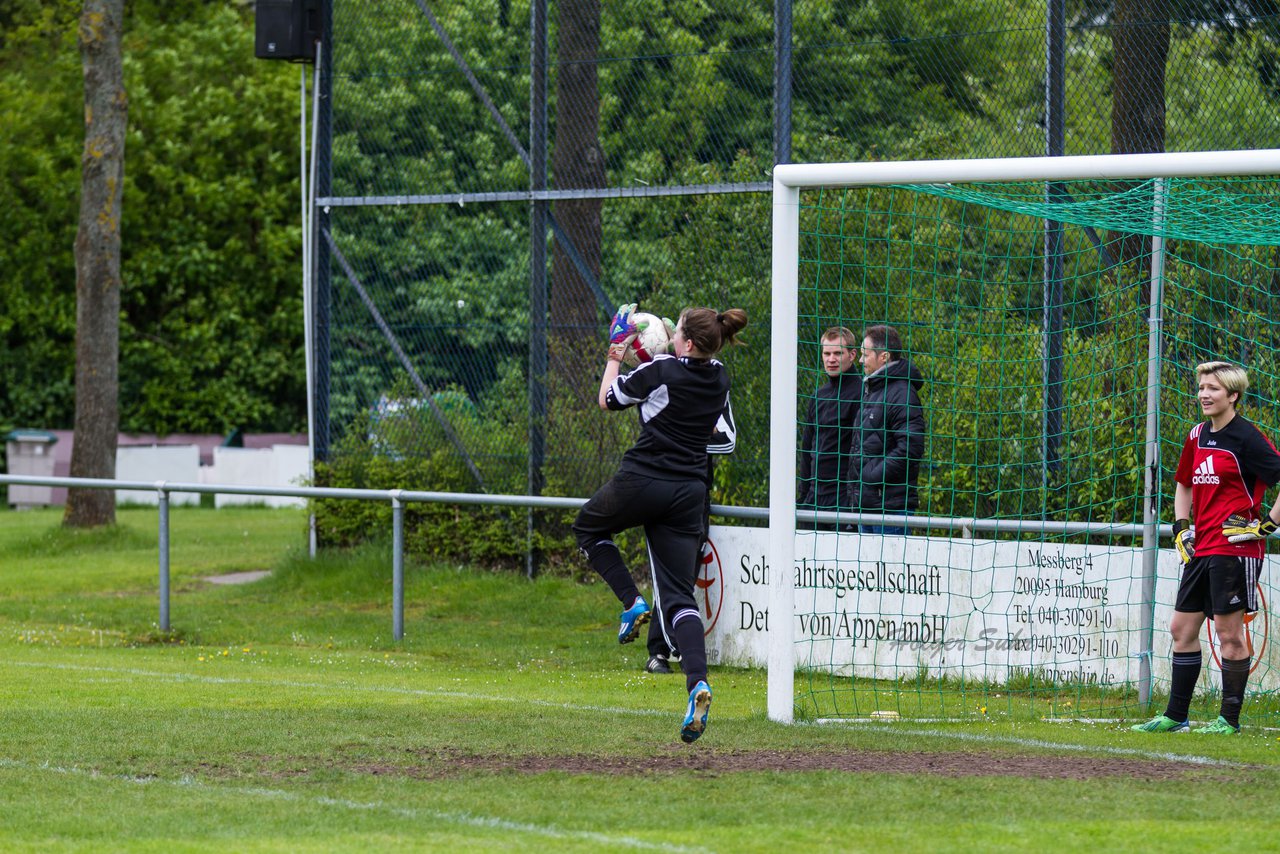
1219 727
695 718
1161 723
632 619
657 664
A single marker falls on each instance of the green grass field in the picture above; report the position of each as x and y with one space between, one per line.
281 716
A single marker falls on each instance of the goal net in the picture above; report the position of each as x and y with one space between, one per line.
1054 310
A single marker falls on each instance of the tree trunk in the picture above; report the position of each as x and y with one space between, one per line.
576 341
97 254
1140 43
577 161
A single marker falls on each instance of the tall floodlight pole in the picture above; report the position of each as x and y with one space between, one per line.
321 274
537 262
781 81
308 299
1055 145
295 32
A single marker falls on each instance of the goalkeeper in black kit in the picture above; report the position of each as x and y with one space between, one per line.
661 484
1223 473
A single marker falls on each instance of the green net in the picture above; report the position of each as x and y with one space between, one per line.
1025 309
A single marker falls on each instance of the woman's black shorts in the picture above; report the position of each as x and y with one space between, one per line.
1219 584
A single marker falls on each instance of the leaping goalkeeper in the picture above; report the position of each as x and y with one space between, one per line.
1223 474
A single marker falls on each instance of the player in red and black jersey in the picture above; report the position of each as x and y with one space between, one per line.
1223 474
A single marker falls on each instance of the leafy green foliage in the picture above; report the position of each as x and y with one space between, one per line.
407 447
211 316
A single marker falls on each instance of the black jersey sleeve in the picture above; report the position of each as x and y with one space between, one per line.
635 387
725 437
1261 457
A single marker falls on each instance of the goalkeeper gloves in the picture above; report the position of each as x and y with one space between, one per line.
622 331
1238 529
1184 540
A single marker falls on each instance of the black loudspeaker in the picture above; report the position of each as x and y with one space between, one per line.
286 29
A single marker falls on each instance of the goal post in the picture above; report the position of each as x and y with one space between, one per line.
909 237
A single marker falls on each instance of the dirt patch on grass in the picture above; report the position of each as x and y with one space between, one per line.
678 760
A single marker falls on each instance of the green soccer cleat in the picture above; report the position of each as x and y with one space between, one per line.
1219 727
1162 723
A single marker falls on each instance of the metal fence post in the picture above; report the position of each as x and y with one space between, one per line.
538 213
782 38
397 565
1054 299
164 556
1151 466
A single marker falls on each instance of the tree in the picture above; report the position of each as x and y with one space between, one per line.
577 161
1140 36
97 253
210 306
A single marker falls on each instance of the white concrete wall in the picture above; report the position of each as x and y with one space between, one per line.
278 466
176 463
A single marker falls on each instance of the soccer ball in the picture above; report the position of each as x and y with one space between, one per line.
650 342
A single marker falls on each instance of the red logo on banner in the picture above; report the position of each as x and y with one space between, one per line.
1255 634
708 585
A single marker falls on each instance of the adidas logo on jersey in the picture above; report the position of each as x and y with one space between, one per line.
1204 473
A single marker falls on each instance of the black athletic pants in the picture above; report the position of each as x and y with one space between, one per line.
672 513
660 642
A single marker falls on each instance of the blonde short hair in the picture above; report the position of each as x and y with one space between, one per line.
1233 377
842 334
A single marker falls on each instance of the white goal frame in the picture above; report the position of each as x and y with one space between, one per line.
788 180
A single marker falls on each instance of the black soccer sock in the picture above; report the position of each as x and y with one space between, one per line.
657 642
606 560
1235 675
693 650
1186 671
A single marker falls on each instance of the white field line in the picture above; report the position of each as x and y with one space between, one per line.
1105 721
337 687
455 818
902 728
1044 720
1162 755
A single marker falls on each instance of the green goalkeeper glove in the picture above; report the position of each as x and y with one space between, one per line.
1184 540
1238 529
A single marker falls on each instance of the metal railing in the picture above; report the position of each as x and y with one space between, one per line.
399 497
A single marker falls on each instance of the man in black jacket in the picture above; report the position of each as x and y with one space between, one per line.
825 462
889 443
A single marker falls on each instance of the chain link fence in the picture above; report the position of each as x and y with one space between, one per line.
495 177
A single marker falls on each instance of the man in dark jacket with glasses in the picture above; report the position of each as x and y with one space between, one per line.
889 442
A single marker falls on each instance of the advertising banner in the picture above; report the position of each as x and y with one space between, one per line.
881 606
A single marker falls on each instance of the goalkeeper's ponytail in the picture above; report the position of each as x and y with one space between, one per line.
731 323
